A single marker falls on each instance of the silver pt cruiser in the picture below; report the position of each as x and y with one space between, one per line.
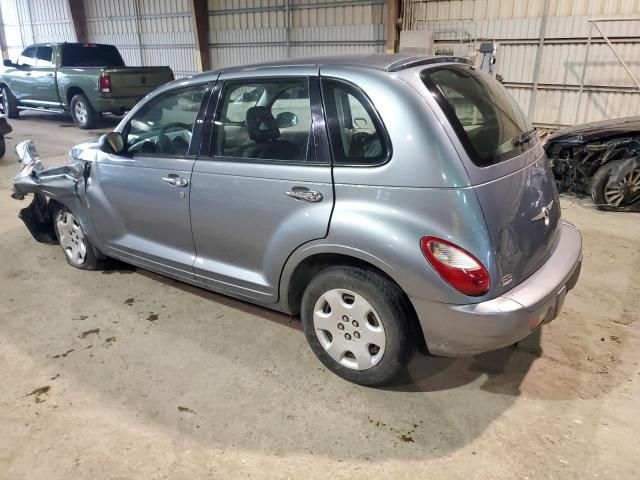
390 201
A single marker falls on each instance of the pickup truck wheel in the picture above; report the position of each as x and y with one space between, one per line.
77 249
358 324
83 114
9 104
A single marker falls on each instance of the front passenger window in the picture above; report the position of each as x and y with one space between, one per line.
164 125
28 57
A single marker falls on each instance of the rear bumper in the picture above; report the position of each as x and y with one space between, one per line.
462 330
117 105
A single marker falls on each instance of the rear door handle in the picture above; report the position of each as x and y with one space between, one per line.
176 180
303 193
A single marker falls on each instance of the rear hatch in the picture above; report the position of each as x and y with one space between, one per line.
507 168
137 81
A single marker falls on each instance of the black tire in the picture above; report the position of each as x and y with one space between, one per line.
392 309
599 183
9 104
91 260
3 147
82 113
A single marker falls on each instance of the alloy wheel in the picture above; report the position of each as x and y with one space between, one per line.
625 191
81 113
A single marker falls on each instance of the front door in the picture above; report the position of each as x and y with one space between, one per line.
45 89
139 201
265 188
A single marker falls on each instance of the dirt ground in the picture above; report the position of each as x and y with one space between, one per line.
126 374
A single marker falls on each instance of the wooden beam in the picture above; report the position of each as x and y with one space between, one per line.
393 13
76 9
200 23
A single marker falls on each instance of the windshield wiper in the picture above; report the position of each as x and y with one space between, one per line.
525 137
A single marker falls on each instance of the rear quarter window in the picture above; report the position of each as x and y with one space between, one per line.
485 117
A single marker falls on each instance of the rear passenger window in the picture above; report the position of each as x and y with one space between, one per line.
264 120
44 55
356 133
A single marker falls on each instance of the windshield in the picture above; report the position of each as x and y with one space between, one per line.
486 118
90 55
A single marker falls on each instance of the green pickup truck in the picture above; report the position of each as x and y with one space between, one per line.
87 80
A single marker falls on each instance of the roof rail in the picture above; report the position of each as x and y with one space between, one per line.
416 61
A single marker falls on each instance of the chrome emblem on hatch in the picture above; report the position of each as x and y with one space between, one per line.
545 214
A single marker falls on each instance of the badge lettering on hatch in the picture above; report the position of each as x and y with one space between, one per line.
545 214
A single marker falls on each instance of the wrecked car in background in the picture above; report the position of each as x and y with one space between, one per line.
601 159
5 128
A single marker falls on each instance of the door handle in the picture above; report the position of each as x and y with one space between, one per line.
28 74
49 74
176 180
303 193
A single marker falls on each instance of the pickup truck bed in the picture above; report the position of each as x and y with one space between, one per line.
85 79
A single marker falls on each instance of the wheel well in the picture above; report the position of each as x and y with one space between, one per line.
311 266
72 92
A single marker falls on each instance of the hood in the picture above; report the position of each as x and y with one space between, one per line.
588 132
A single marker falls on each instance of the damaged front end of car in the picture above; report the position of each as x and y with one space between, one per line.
49 186
602 160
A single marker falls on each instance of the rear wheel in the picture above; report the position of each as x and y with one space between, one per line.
77 249
358 324
618 194
83 114
9 104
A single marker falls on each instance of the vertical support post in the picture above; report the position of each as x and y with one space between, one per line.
538 60
583 75
76 10
3 39
136 6
200 24
393 14
287 25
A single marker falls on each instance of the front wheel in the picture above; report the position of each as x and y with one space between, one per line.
83 114
358 324
77 249
619 194
9 104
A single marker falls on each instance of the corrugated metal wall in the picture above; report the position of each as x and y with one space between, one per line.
249 31
515 25
32 21
147 32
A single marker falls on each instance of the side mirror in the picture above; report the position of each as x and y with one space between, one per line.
7 63
112 142
286 119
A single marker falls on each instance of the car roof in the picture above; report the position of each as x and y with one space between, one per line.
388 63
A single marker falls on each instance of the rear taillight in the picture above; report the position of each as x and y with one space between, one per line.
104 84
456 266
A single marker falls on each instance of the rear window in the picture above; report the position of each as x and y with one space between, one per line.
486 118
91 55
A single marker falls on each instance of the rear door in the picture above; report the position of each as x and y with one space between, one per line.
263 185
139 201
506 165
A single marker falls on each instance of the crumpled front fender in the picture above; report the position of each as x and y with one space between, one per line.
62 184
